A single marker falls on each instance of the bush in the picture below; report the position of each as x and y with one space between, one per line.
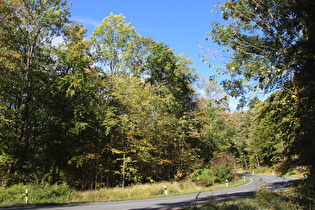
222 167
15 193
223 172
37 193
207 177
267 199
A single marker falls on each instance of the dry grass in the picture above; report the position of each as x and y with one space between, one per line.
151 190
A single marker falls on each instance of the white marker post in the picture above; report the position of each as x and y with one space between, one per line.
244 178
165 191
227 183
26 196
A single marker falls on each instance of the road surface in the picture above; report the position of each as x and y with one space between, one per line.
176 202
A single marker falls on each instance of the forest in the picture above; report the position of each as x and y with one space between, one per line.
115 108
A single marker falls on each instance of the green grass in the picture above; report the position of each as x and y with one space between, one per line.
37 194
264 200
48 194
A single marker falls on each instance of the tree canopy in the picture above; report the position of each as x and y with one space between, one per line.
116 108
272 45
92 111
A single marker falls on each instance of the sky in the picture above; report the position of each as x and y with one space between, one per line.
180 24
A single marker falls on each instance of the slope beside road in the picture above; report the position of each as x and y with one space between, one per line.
173 202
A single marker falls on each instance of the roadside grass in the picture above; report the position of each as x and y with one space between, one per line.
271 171
263 200
151 190
40 194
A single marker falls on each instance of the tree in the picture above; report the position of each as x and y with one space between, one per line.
10 81
151 93
27 29
112 110
262 39
73 128
119 48
172 75
270 136
220 128
273 49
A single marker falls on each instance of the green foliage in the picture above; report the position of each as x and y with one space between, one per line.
264 200
272 45
117 108
261 36
117 45
96 111
207 177
279 200
219 170
37 193
223 168
223 172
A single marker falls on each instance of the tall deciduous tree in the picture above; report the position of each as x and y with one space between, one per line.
29 27
151 90
273 48
74 107
172 75
118 47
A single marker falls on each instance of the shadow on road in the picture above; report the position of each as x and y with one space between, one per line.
205 199
282 185
200 200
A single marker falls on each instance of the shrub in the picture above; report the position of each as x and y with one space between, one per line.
223 172
38 193
207 177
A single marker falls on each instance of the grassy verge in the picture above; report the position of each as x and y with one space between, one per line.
270 171
152 190
37 194
264 200
48 194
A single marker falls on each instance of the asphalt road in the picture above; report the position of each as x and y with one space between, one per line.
176 202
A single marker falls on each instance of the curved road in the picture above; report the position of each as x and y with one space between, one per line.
176 202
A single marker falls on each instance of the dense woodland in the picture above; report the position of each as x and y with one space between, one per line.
116 108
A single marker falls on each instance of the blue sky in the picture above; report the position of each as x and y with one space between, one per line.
180 24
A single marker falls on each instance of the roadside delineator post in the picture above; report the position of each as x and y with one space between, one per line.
165 191
227 183
26 196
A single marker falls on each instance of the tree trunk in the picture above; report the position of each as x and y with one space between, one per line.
123 170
